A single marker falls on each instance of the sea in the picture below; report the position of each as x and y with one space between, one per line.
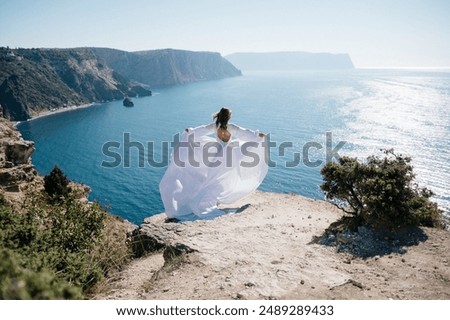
311 117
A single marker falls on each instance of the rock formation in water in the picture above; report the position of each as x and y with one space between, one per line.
33 80
127 102
290 61
168 66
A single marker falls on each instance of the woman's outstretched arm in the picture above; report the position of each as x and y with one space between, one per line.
243 133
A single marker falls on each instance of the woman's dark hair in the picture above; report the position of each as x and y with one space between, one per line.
222 118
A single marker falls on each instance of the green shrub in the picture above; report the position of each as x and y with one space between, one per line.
50 249
56 184
17 282
58 249
379 193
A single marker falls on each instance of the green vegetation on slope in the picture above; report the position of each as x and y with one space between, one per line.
56 249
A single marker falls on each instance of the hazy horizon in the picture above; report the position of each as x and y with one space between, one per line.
381 34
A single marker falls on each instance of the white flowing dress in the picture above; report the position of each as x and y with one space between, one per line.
205 171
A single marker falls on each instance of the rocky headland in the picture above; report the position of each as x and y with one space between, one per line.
36 80
33 81
168 66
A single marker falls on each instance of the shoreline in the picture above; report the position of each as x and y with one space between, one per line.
47 113
61 110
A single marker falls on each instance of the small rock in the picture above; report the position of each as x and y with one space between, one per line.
403 260
249 284
8 164
302 281
356 283
309 217
342 239
240 296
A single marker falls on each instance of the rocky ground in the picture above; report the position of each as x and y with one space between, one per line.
275 248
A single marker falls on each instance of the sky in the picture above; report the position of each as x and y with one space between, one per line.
375 33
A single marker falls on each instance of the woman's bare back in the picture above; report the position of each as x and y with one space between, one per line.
223 134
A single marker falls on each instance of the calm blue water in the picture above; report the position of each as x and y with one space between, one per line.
369 109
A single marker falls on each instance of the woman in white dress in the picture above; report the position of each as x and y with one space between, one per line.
213 164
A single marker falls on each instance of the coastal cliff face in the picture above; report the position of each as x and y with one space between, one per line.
27 86
33 80
168 66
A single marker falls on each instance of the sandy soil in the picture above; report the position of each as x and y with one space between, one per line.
266 252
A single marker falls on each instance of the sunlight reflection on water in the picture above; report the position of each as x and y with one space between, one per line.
410 115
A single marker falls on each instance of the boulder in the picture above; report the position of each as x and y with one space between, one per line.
15 165
18 152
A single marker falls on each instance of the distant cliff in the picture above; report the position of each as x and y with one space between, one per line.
32 80
290 61
167 66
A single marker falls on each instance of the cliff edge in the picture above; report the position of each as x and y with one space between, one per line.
268 249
